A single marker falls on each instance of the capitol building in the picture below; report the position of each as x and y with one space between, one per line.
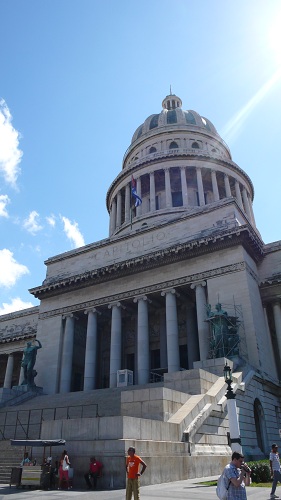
136 328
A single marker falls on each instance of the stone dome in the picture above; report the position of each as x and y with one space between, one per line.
173 114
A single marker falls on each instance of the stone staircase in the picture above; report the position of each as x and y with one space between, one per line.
10 457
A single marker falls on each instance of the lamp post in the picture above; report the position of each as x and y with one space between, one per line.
234 430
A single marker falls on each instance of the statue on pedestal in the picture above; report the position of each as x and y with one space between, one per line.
28 362
224 339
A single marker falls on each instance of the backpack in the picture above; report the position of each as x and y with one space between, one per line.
222 489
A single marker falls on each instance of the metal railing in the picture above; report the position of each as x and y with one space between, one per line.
27 424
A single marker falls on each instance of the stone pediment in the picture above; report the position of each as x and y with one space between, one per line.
207 242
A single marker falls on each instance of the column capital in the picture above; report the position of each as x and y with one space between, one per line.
117 304
142 297
198 283
170 290
93 310
68 315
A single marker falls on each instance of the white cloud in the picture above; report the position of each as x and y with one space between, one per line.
10 269
72 232
16 305
31 224
10 154
51 220
4 200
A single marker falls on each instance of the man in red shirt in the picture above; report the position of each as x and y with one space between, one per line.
133 463
94 472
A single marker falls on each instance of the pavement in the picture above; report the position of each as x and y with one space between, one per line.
191 489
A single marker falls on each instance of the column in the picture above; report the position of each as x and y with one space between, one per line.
128 203
115 343
119 209
191 333
215 185
143 341
246 202
90 370
9 372
202 325
21 377
251 210
168 188
113 217
152 192
238 194
227 186
172 331
67 354
200 186
184 187
277 322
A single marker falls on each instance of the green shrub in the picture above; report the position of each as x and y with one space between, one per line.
260 471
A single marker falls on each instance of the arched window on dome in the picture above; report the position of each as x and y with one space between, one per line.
172 116
189 117
152 150
195 145
173 145
153 122
139 132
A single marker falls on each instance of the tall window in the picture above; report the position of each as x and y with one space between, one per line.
173 145
177 199
260 425
195 145
152 150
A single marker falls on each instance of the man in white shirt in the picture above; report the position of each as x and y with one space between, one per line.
274 469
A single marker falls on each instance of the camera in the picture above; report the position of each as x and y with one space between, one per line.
245 468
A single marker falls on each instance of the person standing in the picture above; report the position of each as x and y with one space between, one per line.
133 463
26 460
94 473
237 473
63 470
274 469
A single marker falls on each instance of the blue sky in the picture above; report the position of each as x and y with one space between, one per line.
79 76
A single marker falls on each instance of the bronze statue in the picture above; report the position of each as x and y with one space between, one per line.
224 339
28 362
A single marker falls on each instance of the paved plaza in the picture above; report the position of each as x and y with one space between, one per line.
191 489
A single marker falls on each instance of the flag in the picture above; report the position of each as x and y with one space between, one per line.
138 200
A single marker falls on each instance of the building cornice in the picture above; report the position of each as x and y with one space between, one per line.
217 240
157 287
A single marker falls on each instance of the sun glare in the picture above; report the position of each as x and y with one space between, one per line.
233 127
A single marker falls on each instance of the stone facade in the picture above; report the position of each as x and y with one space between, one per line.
139 300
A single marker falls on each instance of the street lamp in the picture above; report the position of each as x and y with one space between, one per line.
227 373
234 431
